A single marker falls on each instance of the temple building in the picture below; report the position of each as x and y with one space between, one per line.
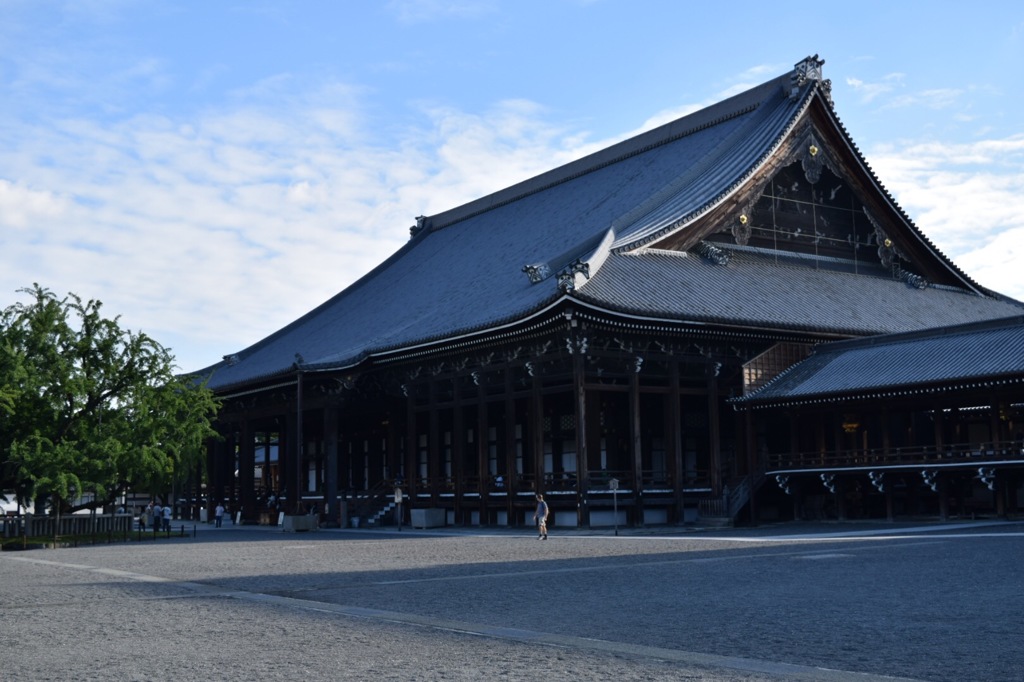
632 334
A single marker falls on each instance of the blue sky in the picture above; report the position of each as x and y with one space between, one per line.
213 170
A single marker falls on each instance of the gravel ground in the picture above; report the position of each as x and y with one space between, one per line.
766 604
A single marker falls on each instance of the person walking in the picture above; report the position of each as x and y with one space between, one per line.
218 515
541 517
167 518
158 514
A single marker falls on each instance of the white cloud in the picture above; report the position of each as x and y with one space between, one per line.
22 208
939 98
870 91
968 199
216 230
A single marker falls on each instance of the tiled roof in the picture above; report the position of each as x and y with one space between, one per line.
763 290
982 352
463 270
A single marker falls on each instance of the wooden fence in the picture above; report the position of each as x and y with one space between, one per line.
32 525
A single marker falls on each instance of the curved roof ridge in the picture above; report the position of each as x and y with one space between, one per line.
668 223
624 225
728 109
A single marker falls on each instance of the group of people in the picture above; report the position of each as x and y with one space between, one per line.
155 516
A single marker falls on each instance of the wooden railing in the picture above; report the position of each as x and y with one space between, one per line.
651 480
968 453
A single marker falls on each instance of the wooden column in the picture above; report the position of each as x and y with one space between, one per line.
674 441
713 430
509 471
246 473
481 454
396 455
537 434
582 459
288 453
215 456
636 441
840 497
943 490
795 418
886 436
999 493
995 429
295 500
458 452
434 465
330 505
754 464
412 472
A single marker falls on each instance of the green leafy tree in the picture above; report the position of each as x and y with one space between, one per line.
89 407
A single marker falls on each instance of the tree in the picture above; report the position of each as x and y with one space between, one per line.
89 407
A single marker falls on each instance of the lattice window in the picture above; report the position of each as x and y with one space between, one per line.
824 218
769 364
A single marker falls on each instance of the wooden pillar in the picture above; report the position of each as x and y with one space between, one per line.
200 479
331 507
995 429
795 419
396 455
754 465
886 436
434 465
943 490
582 459
215 455
840 497
1000 493
247 474
674 440
713 427
593 435
458 453
288 452
412 472
509 444
298 475
636 440
481 454
537 434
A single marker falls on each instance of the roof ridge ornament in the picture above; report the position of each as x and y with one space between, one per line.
806 70
538 272
567 276
712 253
421 222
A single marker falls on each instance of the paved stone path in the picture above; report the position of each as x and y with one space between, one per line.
793 602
